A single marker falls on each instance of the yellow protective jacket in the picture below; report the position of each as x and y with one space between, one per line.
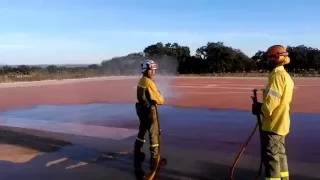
147 92
277 97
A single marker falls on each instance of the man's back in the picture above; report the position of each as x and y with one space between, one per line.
277 100
148 92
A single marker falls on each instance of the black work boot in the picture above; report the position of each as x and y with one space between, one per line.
138 159
138 155
153 163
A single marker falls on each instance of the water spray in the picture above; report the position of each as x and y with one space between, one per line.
167 74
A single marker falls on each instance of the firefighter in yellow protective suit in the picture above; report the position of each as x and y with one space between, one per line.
148 96
275 110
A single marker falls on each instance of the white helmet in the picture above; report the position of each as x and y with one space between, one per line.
147 65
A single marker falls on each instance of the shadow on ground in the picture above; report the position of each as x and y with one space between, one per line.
204 171
207 171
41 144
83 163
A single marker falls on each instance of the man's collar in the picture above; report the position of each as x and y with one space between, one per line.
278 68
147 77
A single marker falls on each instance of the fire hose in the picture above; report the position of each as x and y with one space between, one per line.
258 125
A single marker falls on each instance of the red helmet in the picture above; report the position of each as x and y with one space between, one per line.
279 54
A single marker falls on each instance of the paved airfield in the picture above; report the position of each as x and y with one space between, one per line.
62 142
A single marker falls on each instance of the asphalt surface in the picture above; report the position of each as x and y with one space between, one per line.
198 143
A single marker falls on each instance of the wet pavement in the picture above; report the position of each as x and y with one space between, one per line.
199 143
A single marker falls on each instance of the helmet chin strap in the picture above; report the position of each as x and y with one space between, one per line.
146 74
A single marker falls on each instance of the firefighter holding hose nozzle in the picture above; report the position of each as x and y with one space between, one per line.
275 111
148 98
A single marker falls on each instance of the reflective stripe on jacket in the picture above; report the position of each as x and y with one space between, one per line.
277 97
147 92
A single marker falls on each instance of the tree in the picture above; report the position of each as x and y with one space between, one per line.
221 58
94 66
260 59
6 69
23 69
214 57
168 55
52 69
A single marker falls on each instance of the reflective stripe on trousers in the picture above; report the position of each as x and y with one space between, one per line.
142 140
274 156
282 174
154 145
148 123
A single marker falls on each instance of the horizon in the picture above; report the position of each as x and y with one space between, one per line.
88 32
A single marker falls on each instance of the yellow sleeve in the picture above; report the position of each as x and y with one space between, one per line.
155 95
273 94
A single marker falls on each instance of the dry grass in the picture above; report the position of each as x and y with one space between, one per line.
46 76
250 75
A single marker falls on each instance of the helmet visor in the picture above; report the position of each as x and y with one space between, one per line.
153 66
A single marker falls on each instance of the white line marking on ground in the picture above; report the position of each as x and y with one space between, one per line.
216 93
70 128
187 86
56 162
307 85
63 81
233 84
249 88
205 86
79 164
211 85
228 86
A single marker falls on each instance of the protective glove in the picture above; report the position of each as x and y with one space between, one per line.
256 108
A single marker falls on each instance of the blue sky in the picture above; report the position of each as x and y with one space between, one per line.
84 31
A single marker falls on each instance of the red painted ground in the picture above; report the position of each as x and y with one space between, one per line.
186 92
189 92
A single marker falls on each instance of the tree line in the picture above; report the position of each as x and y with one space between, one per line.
172 58
214 57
